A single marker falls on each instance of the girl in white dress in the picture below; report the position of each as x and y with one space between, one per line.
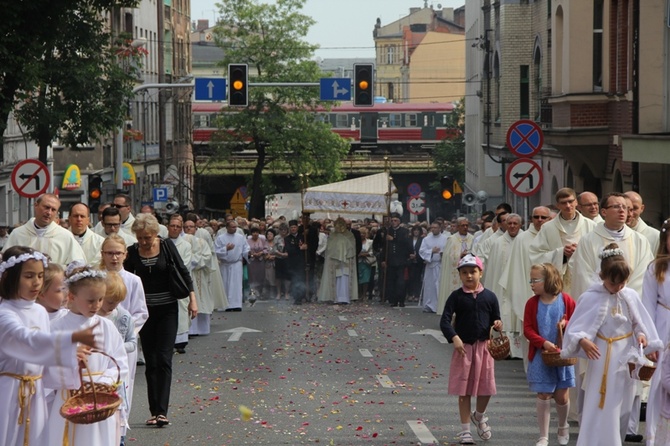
54 293
27 346
608 323
86 291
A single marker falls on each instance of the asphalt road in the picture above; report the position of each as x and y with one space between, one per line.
327 375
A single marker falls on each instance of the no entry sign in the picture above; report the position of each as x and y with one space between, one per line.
525 138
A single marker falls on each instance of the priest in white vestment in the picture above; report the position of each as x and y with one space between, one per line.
231 249
200 263
44 234
124 203
339 280
636 223
182 242
431 251
557 240
212 288
589 206
90 242
516 274
499 257
457 245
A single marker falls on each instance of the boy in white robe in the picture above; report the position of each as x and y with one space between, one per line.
431 253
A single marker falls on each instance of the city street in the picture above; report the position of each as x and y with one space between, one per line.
329 375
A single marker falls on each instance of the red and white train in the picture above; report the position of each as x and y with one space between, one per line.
385 127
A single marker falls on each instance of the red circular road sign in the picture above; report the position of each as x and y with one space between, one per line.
30 178
525 138
524 177
416 205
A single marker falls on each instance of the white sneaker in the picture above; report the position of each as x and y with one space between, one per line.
564 439
542 441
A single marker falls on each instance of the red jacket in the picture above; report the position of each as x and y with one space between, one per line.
530 329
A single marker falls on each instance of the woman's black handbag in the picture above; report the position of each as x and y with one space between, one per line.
178 286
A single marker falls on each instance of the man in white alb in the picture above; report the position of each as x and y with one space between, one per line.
231 249
431 253
589 206
458 244
111 224
90 242
44 234
636 223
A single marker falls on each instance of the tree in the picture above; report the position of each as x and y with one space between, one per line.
449 154
280 123
64 75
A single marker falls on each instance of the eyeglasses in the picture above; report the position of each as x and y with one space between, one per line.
113 253
532 281
618 207
111 225
119 206
540 217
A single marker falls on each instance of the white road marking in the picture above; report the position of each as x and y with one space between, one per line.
437 334
351 332
422 432
385 381
365 352
343 318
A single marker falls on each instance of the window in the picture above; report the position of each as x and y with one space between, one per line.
410 120
524 92
341 120
395 120
390 59
391 92
598 45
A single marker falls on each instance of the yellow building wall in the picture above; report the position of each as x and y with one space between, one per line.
653 37
437 69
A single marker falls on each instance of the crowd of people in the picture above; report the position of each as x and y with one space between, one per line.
591 269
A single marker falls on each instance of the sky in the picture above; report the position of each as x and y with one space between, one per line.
343 28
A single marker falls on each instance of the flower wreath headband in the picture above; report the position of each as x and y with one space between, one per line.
611 252
15 260
87 273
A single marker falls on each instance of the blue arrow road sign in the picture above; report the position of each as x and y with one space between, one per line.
210 89
335 89
160 194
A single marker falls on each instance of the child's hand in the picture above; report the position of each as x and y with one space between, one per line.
458 345
497 325
550 346
86 336
642 339
83 352
563 322
653 356
590 349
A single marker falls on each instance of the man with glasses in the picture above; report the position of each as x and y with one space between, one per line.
111 224
514 279
636 223
557 240
98 228
585 261
588 206
122 202
90 242
44 234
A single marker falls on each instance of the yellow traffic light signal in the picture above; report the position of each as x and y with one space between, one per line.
363 83
447 183
238 78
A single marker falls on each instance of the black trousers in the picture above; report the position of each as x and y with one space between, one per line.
157 336
395 284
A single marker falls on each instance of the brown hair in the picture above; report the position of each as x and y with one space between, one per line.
116 288
9 282
614 267
50 273
662 255
553 282
565 192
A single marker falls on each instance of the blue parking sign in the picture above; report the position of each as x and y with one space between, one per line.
160 194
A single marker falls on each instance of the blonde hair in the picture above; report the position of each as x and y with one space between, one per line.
113 238
50 273
553 282
116 288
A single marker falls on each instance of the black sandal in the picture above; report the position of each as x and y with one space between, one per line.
161 420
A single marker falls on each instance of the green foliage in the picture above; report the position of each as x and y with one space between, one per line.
66 78
279 124
449 154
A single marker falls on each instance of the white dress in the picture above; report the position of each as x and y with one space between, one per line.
656 300
230 263
431 275
449 277
27 346
102 368
621 318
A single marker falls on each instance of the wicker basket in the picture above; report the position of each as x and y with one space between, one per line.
553 359
645 373
92 402
498 347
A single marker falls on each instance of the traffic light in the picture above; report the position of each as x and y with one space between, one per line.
447 183
238 85
363 84
94 193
